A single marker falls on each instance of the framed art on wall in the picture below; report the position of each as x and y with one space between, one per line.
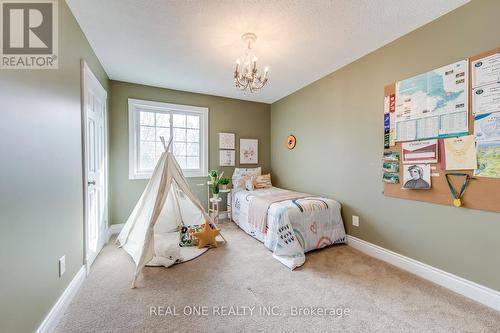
226 140
226 158
249 151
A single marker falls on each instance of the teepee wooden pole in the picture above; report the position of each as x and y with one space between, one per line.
162 139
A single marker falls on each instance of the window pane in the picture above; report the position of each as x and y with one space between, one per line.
193 149
193 162
179 149
159 150
165 132
181 161
162 119
193 135
193 122
147 118
147 133
179 134
183 127
147 156
179 120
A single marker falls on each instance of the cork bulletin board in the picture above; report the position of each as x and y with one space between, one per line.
482 193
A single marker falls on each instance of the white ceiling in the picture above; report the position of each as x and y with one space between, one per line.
193 45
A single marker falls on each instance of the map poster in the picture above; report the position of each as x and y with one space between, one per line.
440 95
487 127
488 159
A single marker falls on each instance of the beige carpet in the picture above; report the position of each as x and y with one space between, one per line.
378 297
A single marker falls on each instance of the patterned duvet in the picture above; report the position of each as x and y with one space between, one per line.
293 226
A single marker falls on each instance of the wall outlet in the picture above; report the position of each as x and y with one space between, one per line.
62 265
355 221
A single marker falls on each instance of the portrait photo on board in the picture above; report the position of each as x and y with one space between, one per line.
417 177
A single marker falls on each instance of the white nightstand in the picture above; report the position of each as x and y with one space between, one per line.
212 204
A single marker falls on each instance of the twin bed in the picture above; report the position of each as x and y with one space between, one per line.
294 223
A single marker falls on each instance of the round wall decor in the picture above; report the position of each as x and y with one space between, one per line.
291 141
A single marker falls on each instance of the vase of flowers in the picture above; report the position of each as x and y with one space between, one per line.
215 178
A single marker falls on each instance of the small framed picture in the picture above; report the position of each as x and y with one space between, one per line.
249 151
226 140
226 158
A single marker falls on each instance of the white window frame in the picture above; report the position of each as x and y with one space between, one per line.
137 105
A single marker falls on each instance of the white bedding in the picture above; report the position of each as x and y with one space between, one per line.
293 226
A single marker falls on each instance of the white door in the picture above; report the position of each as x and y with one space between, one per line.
95 165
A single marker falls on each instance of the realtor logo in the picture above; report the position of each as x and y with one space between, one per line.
29 37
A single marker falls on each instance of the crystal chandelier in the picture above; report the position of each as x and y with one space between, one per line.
246 75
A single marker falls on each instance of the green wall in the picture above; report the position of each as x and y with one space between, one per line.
41 180
339 128
246 119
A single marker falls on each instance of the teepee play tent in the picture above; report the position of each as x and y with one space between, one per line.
151 234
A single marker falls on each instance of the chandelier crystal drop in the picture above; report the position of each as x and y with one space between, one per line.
246 75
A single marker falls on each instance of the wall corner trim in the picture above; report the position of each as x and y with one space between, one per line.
467 288
56 313
115 229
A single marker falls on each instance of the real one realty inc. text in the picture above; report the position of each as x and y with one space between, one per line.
243 310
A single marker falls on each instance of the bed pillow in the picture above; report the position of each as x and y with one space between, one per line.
263 181
186 235
245 183
238 173
249 183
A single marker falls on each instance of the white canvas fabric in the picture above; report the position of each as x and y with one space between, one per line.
151 234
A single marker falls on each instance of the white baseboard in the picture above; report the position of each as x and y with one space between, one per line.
114 229
50 322
472 290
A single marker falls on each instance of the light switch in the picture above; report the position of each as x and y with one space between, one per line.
62 265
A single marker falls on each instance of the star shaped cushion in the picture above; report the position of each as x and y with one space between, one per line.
206 237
